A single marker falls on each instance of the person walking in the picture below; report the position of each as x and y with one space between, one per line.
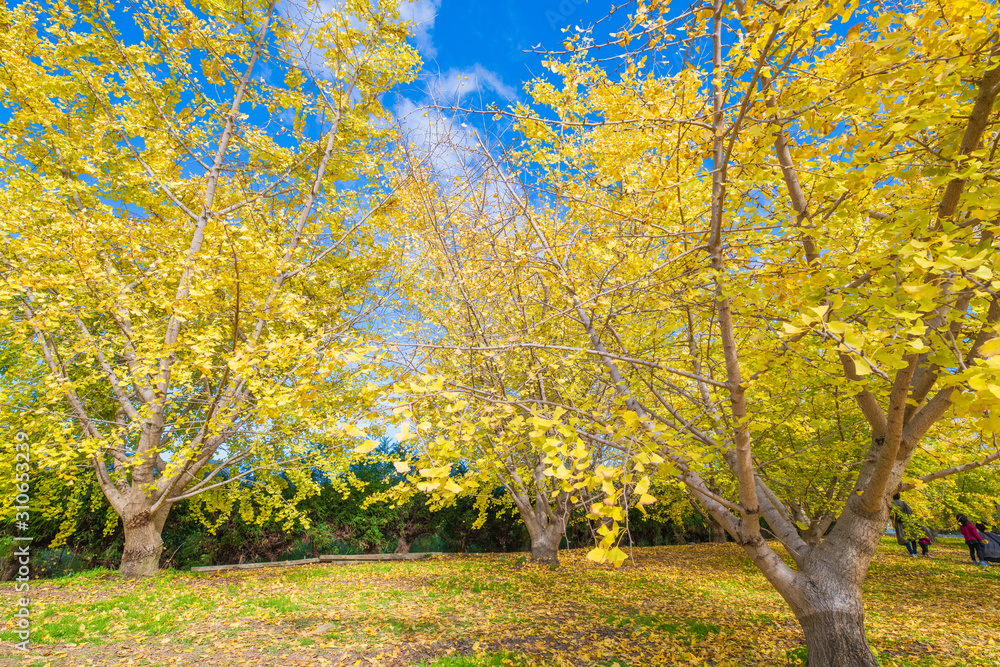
972 539
900 513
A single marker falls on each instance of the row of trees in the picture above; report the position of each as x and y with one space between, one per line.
771 269
74 528
740 250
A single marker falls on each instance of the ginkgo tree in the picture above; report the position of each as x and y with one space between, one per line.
193 206
766 191
530 420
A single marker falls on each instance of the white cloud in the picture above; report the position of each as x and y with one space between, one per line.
450 148
440 138
455 84
444 139
422 13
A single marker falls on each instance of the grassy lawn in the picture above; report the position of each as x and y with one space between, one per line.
699 604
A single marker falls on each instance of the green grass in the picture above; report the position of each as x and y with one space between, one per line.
701 603
491 660
647 623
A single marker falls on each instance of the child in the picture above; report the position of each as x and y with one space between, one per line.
925 543
972 539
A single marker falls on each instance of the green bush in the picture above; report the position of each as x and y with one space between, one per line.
49 563
8 566
426 543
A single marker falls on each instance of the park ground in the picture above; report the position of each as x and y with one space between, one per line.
699 604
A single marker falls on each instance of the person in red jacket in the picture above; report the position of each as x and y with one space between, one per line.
972 539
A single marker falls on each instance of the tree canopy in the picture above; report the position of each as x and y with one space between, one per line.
741 248
182 254
779 256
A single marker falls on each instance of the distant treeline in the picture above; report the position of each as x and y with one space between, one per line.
338 524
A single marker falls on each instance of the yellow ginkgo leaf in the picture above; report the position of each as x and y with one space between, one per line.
366 447
354 431
617 556
990 348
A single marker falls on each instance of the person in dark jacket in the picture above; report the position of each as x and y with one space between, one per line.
991 550
900 510
973 539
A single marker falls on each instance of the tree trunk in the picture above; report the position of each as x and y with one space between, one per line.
412 529
716 532
143 544
546 525
546 532
402 545
406 541
828 603
545 544
817 529
836 638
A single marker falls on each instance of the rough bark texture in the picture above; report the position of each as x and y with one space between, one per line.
828 600
546 531
813 536
402 545
837 639
143 544
545 544
546 525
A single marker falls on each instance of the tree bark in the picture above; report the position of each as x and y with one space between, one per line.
833 620
402 545
143 544
716 532
813 536
827 599
836 638
406 541
546 524
546 530
545 543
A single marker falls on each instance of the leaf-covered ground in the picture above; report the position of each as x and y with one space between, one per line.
698 604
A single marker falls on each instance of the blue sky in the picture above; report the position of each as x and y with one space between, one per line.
486 41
